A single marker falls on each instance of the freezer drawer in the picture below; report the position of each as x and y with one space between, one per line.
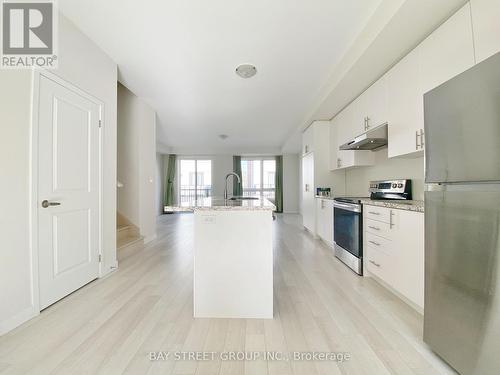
462 300
462 126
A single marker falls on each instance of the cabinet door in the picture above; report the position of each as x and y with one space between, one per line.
410 256
405 106
346 128
360 109
319 218
376 104
308 203
308 140
448 51
486 24
328 229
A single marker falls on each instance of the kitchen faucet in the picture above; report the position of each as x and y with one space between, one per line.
231 174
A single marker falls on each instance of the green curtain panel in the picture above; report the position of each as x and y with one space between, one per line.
237 188
169 180
278 184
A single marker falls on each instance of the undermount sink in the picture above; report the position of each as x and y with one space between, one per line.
242 198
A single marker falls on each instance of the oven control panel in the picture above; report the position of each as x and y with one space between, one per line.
390 189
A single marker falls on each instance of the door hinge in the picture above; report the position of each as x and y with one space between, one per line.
100 258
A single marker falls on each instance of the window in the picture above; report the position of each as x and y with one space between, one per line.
258 176
195 179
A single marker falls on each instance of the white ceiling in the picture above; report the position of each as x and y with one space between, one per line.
180 56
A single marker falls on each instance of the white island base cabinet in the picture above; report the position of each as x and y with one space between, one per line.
233 264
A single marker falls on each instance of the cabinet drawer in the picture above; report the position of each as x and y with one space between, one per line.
379 228
378 243
380 264
378 213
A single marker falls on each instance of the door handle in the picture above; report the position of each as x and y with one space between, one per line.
421 138
46 204
374 263
416 140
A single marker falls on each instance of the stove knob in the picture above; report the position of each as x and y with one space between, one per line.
400 185
394 186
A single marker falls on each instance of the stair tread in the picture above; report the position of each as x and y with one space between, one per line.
125 241
122 227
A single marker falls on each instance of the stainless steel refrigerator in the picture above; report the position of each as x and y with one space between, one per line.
462 219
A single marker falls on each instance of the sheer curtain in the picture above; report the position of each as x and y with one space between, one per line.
169 180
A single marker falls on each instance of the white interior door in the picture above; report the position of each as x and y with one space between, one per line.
68 190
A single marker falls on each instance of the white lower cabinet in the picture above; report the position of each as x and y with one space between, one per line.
394 250
308 205
324 220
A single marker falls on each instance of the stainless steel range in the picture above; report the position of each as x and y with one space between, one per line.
348 219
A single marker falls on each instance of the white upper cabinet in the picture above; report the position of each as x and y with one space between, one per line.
308 140
346 128
486 21
371 107
342 130
448 51
406 107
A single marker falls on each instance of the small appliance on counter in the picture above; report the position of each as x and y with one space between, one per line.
348 219
323 192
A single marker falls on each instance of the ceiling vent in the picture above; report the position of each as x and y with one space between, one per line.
246 70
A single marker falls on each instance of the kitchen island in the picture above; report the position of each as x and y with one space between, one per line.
233 257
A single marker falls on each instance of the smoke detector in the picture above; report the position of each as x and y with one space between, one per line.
246 70
223 136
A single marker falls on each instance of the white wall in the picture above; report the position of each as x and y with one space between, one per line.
83 64
128 155
137 162
291 183
16 297
357 180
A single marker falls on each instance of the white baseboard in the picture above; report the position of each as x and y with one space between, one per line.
17 320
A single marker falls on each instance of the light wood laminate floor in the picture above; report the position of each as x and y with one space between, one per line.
110 325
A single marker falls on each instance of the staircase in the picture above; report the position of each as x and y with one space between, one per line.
128 238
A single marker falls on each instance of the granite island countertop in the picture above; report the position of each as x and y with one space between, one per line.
220 204
416 206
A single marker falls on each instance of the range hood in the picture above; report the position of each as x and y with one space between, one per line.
372 140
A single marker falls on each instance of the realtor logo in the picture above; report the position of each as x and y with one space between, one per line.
28 34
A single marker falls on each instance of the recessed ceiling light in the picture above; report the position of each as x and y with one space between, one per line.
246 70
223 136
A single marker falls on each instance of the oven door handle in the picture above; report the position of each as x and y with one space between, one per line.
347 206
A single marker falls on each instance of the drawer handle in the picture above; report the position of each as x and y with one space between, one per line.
375 264
374 228
374 213
375 243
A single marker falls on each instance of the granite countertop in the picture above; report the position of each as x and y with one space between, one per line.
417 206
220 204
